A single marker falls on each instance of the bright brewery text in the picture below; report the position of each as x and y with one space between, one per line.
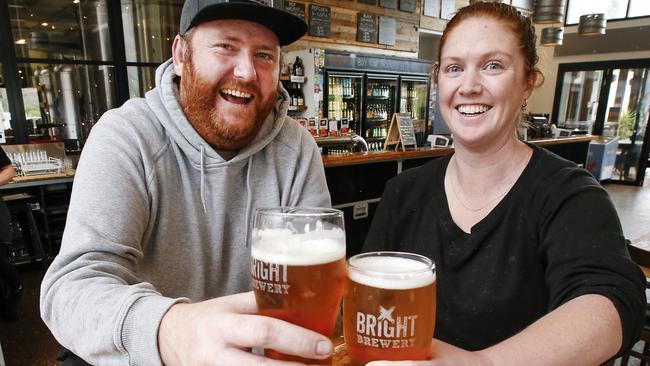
385 332
269 277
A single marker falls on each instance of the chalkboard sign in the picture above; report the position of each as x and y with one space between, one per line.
320 19
387 31
400 133
406 129
295 8
391 4
408 5
366 28
369 2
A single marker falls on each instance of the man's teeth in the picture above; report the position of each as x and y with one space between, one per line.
473 109
236 93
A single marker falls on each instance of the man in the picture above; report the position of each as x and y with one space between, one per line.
10 284
157 230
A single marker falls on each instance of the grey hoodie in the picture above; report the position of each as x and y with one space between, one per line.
157 217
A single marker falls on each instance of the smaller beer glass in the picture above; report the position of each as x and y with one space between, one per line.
389 307
298 268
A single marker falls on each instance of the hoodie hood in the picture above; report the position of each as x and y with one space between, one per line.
164 102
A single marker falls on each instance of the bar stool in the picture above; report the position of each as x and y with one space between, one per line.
20 207
642 258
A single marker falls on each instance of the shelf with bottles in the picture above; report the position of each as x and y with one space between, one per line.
297 108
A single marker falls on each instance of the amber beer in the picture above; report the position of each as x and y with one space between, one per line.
298 276
389 307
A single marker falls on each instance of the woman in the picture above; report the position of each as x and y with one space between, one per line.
530 255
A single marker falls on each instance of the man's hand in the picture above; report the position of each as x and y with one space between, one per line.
222 331
444 354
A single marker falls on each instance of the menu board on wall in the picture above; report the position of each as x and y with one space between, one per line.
387 31
369 2
391 4
408 5
366 28
295 8
447 9
320 20
432 8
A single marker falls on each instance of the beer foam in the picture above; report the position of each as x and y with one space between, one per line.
394 273
281 246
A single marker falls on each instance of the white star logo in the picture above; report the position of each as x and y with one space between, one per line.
386 314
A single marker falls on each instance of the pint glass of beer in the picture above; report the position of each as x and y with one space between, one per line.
389 307
298 268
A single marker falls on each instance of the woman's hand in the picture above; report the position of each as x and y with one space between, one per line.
444 354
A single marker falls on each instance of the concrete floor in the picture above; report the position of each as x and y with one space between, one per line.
29 342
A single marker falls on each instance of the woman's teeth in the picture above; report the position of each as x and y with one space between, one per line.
236 93
472 109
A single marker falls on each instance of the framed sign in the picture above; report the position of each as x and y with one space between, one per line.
366 28
408 5
320 20
295 8
432 8
387 31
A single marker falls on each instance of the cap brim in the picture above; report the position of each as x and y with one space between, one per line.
287 27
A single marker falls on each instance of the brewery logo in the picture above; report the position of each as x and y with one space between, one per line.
386 330
270 277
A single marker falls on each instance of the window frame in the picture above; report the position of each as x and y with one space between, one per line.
626 17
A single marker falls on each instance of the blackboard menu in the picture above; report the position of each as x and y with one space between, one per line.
406 130
387 31
369 2
295 8
408 5
391 4
320 19
366 28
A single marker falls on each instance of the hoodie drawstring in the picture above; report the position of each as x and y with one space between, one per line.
203 182
249 196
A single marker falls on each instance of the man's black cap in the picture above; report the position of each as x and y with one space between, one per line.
287 27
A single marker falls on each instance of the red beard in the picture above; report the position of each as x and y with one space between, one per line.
221 130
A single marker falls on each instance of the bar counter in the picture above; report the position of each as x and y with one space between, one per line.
382 156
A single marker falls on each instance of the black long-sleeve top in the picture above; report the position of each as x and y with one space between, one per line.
555 236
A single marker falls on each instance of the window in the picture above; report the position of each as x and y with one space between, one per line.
639 8
5 116
60 29
613 9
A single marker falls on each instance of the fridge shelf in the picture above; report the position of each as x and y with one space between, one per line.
378 98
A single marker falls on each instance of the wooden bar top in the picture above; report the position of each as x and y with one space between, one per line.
335 160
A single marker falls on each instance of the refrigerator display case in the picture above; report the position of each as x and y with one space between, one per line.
344 98
368 89
380 98
414 100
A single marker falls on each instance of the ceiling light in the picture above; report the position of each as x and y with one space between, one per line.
75 1
21 41
44 24
552 36
592 24
548 11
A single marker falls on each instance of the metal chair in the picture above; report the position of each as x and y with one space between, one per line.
642 258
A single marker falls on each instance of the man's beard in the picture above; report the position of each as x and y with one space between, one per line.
198 97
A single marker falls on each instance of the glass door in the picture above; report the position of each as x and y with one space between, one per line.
626 117
344 95
413 100
611 99
579 101
380 97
